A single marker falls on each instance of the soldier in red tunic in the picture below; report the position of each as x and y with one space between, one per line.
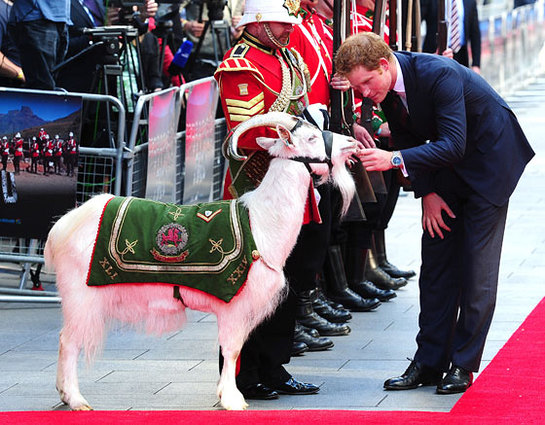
17 152
48 154
4 151
258 75
57 154
34 155
41 134
314 40
71 154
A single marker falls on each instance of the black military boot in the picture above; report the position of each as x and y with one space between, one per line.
307 317
328 312
337 288
379 277
318 343
356 262
384 264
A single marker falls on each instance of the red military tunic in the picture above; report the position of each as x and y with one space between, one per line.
250 80
18 147
4 146
72 146
35 150
314 40
48 149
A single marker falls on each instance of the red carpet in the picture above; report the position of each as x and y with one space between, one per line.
510 390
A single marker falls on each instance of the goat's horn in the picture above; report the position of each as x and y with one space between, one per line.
268 119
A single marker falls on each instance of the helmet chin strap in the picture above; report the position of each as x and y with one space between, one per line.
271 36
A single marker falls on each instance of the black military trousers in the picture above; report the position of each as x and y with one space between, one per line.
269 347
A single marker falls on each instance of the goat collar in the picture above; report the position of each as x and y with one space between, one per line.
328 142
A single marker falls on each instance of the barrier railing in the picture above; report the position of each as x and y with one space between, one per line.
137 149
511 47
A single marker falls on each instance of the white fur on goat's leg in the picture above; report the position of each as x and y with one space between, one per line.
230 397
67 374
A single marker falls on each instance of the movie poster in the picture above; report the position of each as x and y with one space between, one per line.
202 102
161 177
39 146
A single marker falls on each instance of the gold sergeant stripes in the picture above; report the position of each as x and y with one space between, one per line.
241 110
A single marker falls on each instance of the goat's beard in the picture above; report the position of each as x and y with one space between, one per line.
343 180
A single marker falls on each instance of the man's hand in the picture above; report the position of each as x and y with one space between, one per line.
194 27
150 9
361 135
432 219
449 53
339 83
375 159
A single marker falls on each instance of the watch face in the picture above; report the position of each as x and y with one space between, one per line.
396 161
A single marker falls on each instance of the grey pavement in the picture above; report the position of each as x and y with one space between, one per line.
180 370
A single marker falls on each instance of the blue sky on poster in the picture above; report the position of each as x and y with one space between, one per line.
47 107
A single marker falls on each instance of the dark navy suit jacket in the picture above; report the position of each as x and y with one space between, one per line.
470 128
472 31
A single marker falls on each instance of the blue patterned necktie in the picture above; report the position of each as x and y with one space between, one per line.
455 36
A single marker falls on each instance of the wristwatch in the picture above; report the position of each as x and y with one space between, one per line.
396 160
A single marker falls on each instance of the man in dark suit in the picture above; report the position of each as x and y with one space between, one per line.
471 32
78 75
464 175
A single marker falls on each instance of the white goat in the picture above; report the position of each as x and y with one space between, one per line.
276 210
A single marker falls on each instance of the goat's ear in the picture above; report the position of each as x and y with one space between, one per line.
266 142
284 134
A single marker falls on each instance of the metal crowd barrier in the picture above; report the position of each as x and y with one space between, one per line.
100 170
512 47
138 147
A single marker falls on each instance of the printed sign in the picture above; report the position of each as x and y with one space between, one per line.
161 180
202 102
39 145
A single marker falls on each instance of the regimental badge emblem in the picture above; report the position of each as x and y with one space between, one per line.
171 240
292 6
243 89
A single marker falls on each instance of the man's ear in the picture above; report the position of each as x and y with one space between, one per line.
384 64
284 134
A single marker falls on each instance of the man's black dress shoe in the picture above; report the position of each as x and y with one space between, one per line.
313 343
293 387
457 380
298 347
416 375
258 392
394 271
367 289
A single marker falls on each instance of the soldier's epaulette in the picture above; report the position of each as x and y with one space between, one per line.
239 51
237 64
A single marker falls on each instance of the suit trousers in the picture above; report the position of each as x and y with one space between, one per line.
459 278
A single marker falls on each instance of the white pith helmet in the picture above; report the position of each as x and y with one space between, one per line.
285 11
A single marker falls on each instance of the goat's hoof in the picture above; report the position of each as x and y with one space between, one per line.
82 408
234 402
